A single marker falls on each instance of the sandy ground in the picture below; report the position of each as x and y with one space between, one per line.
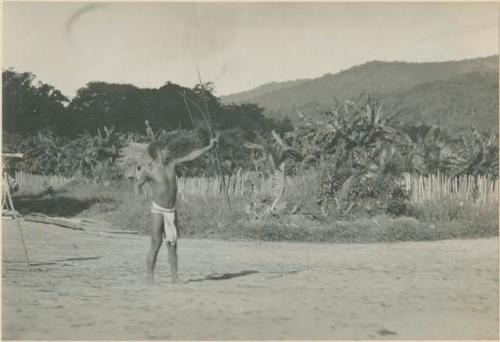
246 290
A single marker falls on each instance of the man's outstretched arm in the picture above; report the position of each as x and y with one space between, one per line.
196 153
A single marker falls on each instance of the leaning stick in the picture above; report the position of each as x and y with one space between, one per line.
11 203
282 189
13 155
16 218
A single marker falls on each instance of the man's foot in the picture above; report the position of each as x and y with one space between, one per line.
177 280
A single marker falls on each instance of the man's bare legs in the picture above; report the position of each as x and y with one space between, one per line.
156 241
172 260
157 233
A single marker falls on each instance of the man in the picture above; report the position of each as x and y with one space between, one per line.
162 179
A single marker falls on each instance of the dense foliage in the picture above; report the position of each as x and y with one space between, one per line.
360 148
29 106
88 156
84 136
362 151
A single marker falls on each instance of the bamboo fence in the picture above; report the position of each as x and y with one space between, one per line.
481 190
247 183
37 182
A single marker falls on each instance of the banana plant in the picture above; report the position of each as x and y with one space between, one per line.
359 125
273 158
479 155
427 150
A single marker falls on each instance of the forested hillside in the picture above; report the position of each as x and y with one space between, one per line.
442 92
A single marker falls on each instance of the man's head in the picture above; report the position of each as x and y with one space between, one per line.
159 149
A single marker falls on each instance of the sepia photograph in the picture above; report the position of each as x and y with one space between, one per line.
250 170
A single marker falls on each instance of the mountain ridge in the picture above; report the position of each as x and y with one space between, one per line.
389 80
488 62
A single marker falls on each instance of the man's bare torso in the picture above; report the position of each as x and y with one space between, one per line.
163 183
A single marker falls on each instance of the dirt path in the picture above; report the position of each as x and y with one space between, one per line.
247 290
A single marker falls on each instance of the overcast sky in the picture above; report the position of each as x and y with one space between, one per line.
237 46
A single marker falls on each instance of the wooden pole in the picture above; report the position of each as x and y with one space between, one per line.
11 204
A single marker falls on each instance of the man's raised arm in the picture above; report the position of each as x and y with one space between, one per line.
196 153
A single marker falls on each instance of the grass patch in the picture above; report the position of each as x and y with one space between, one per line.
117 204
460 218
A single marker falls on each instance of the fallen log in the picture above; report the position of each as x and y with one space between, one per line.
120 232
79 258
54 262
58 221
75 224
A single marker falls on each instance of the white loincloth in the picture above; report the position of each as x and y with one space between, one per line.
169 222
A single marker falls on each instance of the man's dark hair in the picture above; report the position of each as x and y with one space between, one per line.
155 147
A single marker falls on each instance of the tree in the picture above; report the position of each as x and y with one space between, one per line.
101 104
29 105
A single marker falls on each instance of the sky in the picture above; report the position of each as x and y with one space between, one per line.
237 46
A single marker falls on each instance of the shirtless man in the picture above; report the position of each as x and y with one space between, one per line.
162 179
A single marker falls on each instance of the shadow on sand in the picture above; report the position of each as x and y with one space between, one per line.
223 276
